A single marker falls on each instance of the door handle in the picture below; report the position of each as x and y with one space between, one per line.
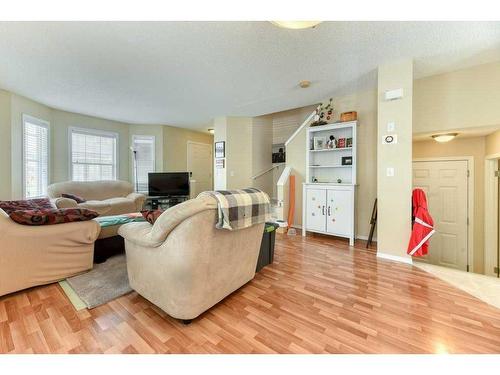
329 214
323 210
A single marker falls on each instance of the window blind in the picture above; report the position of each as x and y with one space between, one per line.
93 155
35 157
145 153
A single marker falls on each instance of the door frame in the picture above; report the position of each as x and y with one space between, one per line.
490 214
470 200
211 159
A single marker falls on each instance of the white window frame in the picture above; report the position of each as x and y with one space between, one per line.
134 137
42 123
98 132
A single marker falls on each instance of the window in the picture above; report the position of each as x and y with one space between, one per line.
144 146
93 155
35 157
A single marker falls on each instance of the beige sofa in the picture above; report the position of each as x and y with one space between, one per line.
32 255
183 264
105 197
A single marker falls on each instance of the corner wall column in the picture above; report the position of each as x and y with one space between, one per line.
394 161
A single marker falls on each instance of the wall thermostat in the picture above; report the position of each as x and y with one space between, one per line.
394 94
389 139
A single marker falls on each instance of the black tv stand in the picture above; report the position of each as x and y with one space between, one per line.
163 202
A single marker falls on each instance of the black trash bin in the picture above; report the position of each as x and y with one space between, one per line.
266 255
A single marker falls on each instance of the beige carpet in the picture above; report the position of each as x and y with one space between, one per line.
104 283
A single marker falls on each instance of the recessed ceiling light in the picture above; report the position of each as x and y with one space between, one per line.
296 25
444 137
304 84
211 131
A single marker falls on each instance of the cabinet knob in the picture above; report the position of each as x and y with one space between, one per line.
313 214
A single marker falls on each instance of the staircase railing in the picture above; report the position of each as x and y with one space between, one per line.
265 171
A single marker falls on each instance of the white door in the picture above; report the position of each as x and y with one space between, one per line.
445 184
339 212
316 209
199 163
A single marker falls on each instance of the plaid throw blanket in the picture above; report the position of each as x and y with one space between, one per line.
239 209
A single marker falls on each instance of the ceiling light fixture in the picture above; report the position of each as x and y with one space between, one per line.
441 138
296 25
211 131
305 84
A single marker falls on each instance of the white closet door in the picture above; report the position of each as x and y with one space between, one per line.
316 209
339 212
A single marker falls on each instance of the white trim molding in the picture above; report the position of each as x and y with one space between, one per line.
395 258
306 122
44 124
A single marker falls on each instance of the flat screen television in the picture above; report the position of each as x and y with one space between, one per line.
172 184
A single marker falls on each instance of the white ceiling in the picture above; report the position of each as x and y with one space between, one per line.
186 73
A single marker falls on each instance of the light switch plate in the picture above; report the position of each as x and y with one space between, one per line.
391 126
390 172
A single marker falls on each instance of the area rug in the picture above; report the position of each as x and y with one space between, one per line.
104 283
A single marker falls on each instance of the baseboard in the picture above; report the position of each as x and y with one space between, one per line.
365 238
395 258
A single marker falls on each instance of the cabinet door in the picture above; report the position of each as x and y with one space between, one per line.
316 209
339 212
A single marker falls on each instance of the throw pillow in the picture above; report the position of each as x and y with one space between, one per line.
52 216
151 215
76 198
27 204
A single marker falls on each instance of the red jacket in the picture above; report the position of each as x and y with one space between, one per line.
423 226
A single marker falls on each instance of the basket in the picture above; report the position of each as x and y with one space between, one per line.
348 116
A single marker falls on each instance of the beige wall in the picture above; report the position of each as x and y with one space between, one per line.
461 99
365 103
151 130
62 121
493 143
239 152
474 147
5 149
20 106
175 146
248 152
262 136
394 193
171 142
286 122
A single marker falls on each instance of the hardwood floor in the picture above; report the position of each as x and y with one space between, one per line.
320 296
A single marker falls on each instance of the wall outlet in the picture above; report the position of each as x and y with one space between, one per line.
231 173
390 172
391 126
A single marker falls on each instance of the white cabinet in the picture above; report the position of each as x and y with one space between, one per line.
329 209
339 212
330 187
316 205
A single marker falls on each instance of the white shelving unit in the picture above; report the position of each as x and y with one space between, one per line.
329 190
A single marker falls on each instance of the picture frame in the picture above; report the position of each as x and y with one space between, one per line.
319 143
348 142
341 143
220 149
346 160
